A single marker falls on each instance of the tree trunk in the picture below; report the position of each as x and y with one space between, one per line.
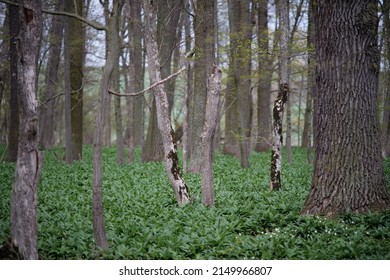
386 97
163 118
208 134
135 105
118 116
307 131
278 111
76 79
67 81
111 61
24 198
348 169
203 63
265 78
13 128
46 114
187 94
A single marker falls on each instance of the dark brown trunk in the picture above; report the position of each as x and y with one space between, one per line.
348 169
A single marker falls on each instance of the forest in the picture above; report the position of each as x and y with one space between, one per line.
194 129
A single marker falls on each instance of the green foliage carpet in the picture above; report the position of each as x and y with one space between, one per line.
143 220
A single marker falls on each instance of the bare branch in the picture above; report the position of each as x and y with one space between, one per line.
149 88
93 24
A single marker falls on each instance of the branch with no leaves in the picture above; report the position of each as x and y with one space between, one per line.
148 88
93 24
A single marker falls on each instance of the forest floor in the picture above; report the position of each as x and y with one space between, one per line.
143 220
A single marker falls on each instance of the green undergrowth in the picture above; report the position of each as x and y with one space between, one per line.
143 220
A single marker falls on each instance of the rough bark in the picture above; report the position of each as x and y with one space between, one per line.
46 114
164 123
24 197
13 127
97 188
209 128
278 110
203 63
348 170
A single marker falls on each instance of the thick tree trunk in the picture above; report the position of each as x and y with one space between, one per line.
208 134
13 127
163 118
278 111
97 188
46 114
24 198
265 78
203 63
348 171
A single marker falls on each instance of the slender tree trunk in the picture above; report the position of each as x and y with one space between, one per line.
163 118
67 78
208 134
13 128
46 114
348 169
307 134
24 198
118 116
278 111
111 61
188 94
135 105
76 77
4 57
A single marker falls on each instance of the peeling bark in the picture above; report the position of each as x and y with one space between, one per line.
278 111
164 123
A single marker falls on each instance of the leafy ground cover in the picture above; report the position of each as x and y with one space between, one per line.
143 220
